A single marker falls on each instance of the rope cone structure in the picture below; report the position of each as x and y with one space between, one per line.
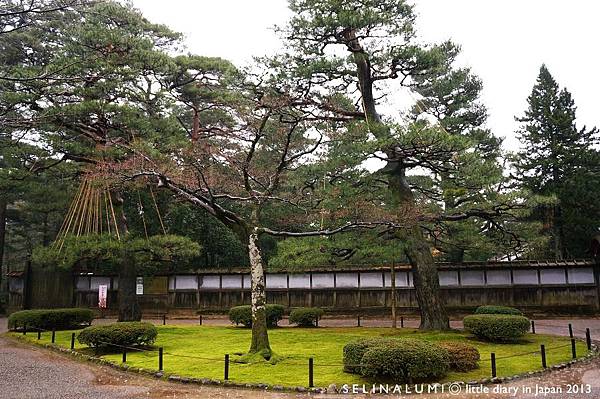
90 212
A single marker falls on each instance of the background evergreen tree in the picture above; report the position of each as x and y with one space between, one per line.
559 160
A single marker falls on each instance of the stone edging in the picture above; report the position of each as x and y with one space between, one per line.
591 355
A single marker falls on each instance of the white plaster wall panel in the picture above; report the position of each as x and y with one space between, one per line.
346 280
472 277
448 278
232 281
276 281
498 277
207 282
581 275
553 276
300 281
525 276
322 280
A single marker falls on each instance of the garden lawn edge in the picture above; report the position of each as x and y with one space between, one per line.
589 356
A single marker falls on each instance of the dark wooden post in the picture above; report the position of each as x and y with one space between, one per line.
493 358
573 348
393 299
532 326
160 359
310 372
72 341
226 366
124 355
543 352
588 339
200 320
53 335
570 330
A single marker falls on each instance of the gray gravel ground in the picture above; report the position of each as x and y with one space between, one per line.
27 372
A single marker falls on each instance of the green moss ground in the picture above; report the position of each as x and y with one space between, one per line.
198 351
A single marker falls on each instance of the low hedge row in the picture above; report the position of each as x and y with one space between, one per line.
402 360
48 319
242 315
493 309
306 317
497 327
461 356
119 334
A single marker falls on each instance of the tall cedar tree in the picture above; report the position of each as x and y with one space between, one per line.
559 160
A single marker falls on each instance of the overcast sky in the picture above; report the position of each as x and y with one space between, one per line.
503 41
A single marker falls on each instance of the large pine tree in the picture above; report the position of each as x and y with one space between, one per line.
559 160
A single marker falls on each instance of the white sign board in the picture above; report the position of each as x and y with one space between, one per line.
139 287
102 294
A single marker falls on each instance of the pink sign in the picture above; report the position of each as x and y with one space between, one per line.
102 294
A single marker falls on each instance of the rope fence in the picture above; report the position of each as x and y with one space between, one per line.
310 362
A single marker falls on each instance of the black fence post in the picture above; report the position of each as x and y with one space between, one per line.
200 320
357 321
401 321
317 321
573 348
160 359
72 341
493 358
532 326
124 355
53 335
311 382
226 366
164 320
39 335
543 352
588 339
570 330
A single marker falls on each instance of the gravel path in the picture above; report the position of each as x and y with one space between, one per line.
27 372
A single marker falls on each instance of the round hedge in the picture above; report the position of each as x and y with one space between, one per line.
405 361
306 317
497 327
354 351
48 319
493 309
242 315
119 334
462 357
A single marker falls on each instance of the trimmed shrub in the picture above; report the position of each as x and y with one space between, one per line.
243 315
306 317
48 319
462 357
354 351
497 327
493 309
405 361
119 334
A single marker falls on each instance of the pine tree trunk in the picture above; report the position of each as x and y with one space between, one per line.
260 337
426 282
3 206
129 309
416 248
418 251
